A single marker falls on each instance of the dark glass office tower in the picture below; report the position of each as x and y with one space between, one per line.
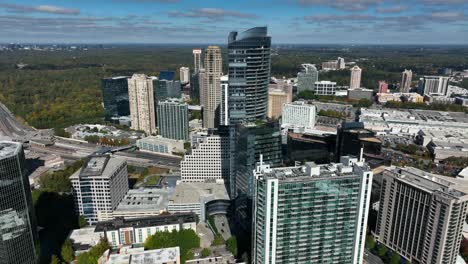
18 234
249 74
115 96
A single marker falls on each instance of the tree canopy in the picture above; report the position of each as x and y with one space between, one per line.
185 239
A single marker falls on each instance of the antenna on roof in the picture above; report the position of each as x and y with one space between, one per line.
361 154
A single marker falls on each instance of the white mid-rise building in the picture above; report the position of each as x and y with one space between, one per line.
99 186
209 160
141 100
184 75
160 145
325 88
298 115
435 85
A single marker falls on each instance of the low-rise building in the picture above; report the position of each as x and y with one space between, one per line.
382 98
298 115
142 203
360 93
202 198
325 88
127 232
159 144
442 149
140 256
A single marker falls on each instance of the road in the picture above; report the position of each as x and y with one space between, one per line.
10 126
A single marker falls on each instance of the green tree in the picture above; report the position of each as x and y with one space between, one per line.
92 256
185 239
231 245
218 240
60 132
370 242
54 260
382 250
395 258
82 221
205 252
67 251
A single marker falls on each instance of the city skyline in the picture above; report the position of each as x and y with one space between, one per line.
184 21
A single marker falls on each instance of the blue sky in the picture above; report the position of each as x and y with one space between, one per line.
210 21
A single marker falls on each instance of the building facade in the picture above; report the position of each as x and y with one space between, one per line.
325 88
142 105
307 78
407 77
19 242
184 75
421 215
276 99
355 82
311 214
224 105
197 63
159 144
208 161
434 85
383 87
298 115
99 186
115 96
212 87
173 119
249 74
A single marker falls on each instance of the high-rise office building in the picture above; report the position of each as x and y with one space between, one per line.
298 115
311 214
421 215
224 105
352 137
195 87
184 75
330 65
115 96
99 186
434 85
173 119
341 63
18 234
208 160
197 64
307 78
212 87
407 77
355 78
325 88
164 89
142 105
383 87
201 84
249 74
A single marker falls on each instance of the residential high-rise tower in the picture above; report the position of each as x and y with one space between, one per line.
184 75
355 77
142 105
249 74
197 53
421 215
173 119
311 214
407 77
212 87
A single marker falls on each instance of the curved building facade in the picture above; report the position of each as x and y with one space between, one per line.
18 237
249 74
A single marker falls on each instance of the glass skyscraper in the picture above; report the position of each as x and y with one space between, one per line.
115 96
249 74
307 78
311 214
173 119
18 234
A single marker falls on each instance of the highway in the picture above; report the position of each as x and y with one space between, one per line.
370 258
74 150
10 126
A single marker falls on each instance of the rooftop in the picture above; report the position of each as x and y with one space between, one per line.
158 220
191 192
99 166
147 200
8 148
454 187
314 171
156 256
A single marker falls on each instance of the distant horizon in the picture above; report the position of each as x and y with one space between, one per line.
411 22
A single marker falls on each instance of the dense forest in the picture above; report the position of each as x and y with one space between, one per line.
60 88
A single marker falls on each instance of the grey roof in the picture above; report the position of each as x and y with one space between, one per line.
99 166
9 148
191 192
157 220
